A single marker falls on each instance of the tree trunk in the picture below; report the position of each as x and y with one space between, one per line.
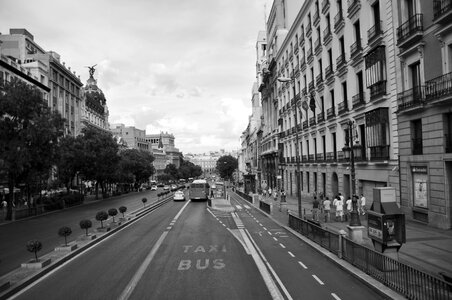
97 190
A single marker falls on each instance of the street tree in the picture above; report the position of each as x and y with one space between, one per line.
34 246
171 170
122 210
144 200
69 159
65 232
112 212
137 163
226 165
86 224
101 216
29 133
100 157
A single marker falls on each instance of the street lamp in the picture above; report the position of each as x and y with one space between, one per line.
350 152
297 159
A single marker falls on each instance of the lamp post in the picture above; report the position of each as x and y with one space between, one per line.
350 153
297 159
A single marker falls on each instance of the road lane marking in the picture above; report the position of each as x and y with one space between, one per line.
168 228
265 228
238 207
246 206
291 254
318 279
261 263
282 245
262 258
335 296
275 239
302 264
127 292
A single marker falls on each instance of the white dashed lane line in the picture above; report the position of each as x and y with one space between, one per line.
275 239
291 254
318 280
302 264
335 296
282 246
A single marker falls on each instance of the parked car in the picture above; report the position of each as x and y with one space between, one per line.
179 196
153 188
166 187
173 187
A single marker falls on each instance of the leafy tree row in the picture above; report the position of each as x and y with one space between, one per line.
186 170
226 166
32 143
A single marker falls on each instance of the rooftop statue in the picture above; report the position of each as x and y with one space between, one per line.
91 70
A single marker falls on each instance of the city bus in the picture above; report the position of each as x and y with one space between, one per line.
199 190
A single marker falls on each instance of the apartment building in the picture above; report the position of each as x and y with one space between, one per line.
424 103
134 138
340 59
166 141
65 86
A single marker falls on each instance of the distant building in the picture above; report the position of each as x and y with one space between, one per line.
167 141
134 138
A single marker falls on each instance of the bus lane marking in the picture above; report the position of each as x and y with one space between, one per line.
127 292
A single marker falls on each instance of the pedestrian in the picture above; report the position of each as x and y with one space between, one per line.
327 208
275 195
283 196
339 208
269 191
362 204
348 204
315 209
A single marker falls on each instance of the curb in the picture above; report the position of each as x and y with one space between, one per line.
27 281
372 283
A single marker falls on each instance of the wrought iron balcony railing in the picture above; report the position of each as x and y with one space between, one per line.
439 87
379 152
374 32
377 90
411 98
358 100
441 8
342 107
412 26
330 113
320 117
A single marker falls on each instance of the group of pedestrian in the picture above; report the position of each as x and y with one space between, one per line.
342 207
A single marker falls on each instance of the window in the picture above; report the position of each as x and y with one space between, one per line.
448 132
416 137
359 79
377 125
375 66
333 140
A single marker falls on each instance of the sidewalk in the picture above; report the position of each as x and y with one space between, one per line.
427 249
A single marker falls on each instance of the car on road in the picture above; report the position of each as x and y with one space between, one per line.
153 188
166 187
173 187
179 196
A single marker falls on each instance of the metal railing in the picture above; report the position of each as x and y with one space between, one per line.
330 113
401 277
439 87
320 117
379 152
411 98
378 90
374 32
441 7
411 26
342 107
265 207
412 283
358 100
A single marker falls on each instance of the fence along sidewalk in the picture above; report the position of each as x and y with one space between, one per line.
405 279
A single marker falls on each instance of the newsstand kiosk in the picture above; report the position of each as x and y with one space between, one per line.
386 222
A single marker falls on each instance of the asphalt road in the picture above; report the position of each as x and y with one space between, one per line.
184 250
198 258
14 235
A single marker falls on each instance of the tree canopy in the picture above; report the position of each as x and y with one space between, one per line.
29 133
226 165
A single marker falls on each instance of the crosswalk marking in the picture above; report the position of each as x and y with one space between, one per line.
246 206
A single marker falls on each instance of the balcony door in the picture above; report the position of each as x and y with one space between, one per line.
415 74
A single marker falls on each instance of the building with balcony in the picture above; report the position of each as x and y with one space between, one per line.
134 138
350 79
424 103
65 94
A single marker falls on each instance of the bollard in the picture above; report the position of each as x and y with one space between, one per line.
342 234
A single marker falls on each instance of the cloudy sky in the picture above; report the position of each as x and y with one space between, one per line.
180 66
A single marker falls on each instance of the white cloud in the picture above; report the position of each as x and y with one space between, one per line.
186 67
